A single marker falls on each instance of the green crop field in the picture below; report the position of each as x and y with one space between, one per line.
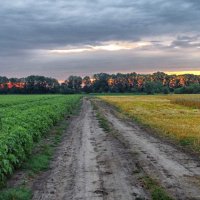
24 120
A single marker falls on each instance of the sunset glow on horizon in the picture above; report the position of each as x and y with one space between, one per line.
184 72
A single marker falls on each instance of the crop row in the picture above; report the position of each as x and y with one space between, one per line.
12 100
20 130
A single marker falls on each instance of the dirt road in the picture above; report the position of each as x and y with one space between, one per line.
91 164
177 172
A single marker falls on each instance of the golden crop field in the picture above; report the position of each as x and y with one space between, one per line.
175 116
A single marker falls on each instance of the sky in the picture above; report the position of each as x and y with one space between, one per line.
58 38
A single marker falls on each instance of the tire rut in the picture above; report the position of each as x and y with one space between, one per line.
178 172
90 165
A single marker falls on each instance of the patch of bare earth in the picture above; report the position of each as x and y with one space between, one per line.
176 171
90 165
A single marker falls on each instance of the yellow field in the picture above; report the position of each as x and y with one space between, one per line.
171 115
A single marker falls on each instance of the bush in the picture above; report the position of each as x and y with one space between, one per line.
165 90
149 87
192 89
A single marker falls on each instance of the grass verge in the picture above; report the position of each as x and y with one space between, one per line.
21 193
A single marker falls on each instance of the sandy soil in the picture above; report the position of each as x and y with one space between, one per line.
90 165
178 172
93 165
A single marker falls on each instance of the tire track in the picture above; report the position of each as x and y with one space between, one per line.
175 170
90 165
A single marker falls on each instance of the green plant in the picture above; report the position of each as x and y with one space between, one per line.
104 124
40 162
23 124
157 192
16 194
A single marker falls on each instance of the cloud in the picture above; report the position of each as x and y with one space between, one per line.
33 33
187 42
46 24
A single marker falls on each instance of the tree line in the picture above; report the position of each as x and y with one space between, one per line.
158 82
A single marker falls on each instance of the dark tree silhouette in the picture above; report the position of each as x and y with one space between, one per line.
158 82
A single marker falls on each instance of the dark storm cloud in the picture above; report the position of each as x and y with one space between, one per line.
186 42
46 24
30 25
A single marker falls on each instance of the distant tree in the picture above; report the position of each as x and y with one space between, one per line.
4 85
64 89
158 82
158 87
3 80
165 90
74 83
87 84
100 83
149 87
192 89
40 85
159 76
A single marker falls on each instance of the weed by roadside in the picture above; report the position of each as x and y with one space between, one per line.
40 162
104 124
21 193
157 192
